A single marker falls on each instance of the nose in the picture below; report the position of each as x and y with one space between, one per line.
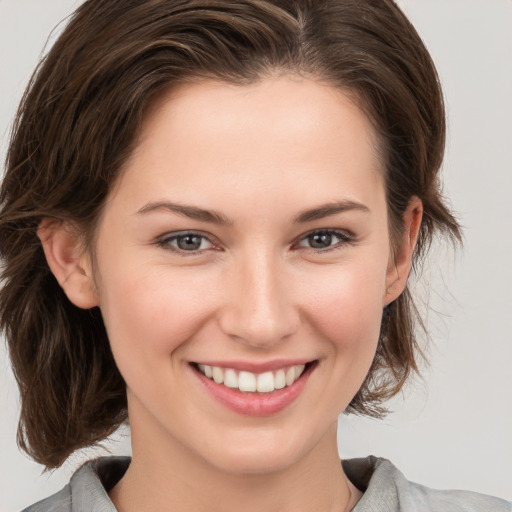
259 310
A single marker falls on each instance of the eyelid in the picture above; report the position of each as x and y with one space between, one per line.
346 237
164 242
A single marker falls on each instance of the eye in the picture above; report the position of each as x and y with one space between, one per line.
186 242
325 240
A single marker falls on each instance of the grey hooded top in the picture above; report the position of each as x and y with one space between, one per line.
385 490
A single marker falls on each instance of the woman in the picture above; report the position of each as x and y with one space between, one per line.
209 216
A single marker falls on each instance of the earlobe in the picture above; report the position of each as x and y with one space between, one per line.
400 266
70 266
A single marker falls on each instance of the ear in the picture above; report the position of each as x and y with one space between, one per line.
68 262
399 267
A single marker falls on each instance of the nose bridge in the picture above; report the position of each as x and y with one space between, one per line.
260 311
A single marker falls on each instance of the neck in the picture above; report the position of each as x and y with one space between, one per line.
170 477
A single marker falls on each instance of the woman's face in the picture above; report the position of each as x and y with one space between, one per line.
248 234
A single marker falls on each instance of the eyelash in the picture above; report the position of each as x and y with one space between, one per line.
344 238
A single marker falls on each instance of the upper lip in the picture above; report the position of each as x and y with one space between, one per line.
255 367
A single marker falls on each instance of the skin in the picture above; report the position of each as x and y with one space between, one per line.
257 291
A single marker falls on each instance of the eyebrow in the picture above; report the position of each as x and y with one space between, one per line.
328 209
192 212
214 217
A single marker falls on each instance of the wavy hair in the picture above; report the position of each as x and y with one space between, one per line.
78 122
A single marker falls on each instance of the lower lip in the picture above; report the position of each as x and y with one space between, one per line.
255 404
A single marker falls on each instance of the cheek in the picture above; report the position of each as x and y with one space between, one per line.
346 305
151 314
345 312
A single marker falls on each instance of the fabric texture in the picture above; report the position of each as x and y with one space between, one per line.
385 490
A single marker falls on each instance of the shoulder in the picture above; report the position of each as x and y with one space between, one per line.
387 490
59 502
87 489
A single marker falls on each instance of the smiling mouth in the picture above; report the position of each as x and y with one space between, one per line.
248 382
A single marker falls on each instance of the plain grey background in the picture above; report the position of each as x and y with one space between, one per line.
453 428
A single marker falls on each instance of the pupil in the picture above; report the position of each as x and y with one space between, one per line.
320 240
189 242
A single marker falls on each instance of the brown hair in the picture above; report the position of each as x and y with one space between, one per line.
78 122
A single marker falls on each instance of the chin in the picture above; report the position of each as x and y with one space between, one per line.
257 463
260 455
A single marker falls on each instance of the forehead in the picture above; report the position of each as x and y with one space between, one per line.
284 131
279 107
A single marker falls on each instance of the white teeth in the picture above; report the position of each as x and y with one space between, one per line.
207 370
279 379
265 382
290 376
218 374
246 381
230 378
249 382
